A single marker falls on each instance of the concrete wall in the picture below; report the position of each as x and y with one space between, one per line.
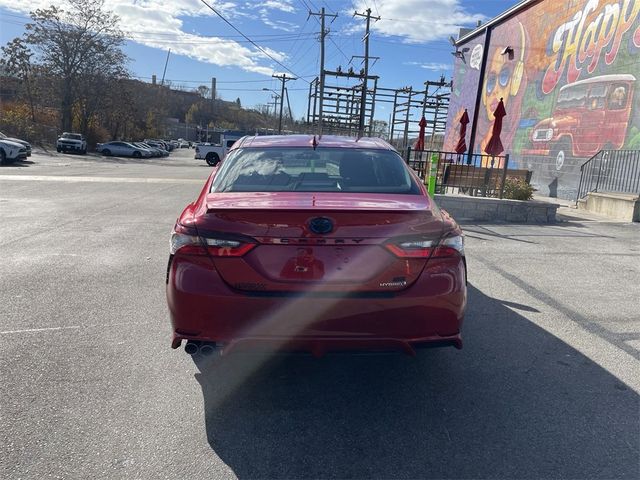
464 208
617 206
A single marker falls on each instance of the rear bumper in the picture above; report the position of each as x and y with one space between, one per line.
203 308
75 148
542 151
318 346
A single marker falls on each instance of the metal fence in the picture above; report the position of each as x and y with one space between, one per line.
476 174
616 171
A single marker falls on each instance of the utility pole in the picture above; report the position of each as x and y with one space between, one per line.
165 68
289 105
275 98
323 34
283 77
213 101
363 99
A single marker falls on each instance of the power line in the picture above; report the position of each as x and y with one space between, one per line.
251 41
204 82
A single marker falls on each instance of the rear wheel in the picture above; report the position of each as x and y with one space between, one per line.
83 151
58 150
212 159
560 153
3 157
137 154
106 152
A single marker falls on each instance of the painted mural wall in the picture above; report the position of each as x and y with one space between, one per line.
570 87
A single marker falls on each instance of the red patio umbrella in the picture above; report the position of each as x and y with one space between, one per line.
461 147
494 146
420 142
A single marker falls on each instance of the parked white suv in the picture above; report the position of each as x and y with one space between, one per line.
24 143
71 142
11 151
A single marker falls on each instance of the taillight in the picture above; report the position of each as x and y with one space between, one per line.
218 247
450 246
411 249
188 244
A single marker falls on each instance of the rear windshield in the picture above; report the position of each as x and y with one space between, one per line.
72 136
307 170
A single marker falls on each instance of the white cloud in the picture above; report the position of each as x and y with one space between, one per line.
282 5
158 24
433 66
416 21
277 24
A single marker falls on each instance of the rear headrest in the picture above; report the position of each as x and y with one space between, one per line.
358 168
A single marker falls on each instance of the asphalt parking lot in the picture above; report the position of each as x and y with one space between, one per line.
547 385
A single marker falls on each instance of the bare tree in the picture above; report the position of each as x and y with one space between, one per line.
81 47
203 91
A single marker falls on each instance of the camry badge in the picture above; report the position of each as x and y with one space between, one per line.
321 225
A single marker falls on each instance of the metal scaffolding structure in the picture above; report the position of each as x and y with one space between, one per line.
338 107
409 106
339 110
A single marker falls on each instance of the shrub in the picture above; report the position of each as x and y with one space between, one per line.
517 189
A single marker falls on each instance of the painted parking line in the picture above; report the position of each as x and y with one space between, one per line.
70 327
69 179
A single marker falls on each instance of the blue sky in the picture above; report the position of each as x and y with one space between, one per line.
410 39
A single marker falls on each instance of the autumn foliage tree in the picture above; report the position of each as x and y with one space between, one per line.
80 48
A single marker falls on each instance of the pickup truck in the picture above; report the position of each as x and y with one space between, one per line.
71 142
214 153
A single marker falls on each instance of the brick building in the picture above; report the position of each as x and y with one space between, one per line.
567 71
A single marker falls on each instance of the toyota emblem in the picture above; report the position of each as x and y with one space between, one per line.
321 225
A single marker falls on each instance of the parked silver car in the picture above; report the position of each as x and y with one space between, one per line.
155 151
122 149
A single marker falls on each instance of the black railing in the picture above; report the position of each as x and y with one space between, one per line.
477 175
613 171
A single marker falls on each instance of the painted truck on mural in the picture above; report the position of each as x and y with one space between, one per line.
588 116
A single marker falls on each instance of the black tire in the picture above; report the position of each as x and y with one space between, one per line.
106 152
58 150
136 154
560 153
3 157
83 152
212 159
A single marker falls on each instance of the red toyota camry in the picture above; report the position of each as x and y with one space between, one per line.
315 244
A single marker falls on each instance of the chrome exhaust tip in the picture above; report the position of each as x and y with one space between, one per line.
191 348
208 349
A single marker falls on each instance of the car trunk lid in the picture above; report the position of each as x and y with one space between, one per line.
318 242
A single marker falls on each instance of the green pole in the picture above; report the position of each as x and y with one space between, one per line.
431 174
